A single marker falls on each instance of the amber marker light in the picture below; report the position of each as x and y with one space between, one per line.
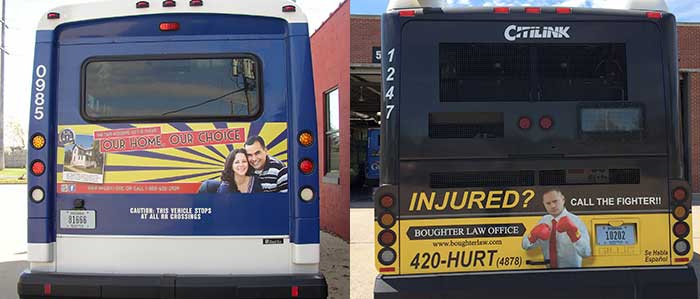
38 141
386 220
306 139
680 212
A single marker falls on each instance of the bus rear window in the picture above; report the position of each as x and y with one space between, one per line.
532 72
171 89
620 120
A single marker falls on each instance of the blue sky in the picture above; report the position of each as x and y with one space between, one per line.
685 10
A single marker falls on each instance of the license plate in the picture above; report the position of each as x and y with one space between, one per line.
77 219
625 234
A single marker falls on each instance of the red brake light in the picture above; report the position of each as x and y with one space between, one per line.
38 168
533 10
563 10
546 122
169 3
524 123
407 13
142 4
681 229
501 10
289 8
169 26
53 16
679 194
654 15
47 289
386 201
196 3
295 291
306 166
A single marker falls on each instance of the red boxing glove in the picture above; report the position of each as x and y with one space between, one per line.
566 225
539 232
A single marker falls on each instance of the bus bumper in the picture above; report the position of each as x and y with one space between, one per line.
53 285
676 283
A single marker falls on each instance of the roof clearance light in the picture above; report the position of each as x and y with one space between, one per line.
306 139
142 4
563 10
679 194
654 15
501 10
533 10
38 168
169 3
289 8
169 26
306 166
407 13
546 122
37 194
53 16
196 3
524 123
38 141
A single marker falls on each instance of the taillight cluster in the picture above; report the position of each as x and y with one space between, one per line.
306 166
386 237
38 168
546 122
681 229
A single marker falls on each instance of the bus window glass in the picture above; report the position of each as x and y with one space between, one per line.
532 72
611 120
172 88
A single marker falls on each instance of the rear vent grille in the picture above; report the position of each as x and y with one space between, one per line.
482 179
589 177
445 125
558 177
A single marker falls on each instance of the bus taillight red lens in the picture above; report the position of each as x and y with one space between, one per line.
681 247
169 26
680 212
654 15
501 10
679 194
306 166
196 3
289 8
387 238
386 201
38 168
386 220
306 139
563 10
681 229
533 10
142 4
169 3
524 123
546 122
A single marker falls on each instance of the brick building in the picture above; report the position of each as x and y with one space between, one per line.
330 50
689 64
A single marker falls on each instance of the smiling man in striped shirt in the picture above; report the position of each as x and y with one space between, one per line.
272 172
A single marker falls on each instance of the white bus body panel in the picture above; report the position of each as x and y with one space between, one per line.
122 8
180 255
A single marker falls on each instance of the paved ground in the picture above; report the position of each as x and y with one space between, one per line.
13 219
